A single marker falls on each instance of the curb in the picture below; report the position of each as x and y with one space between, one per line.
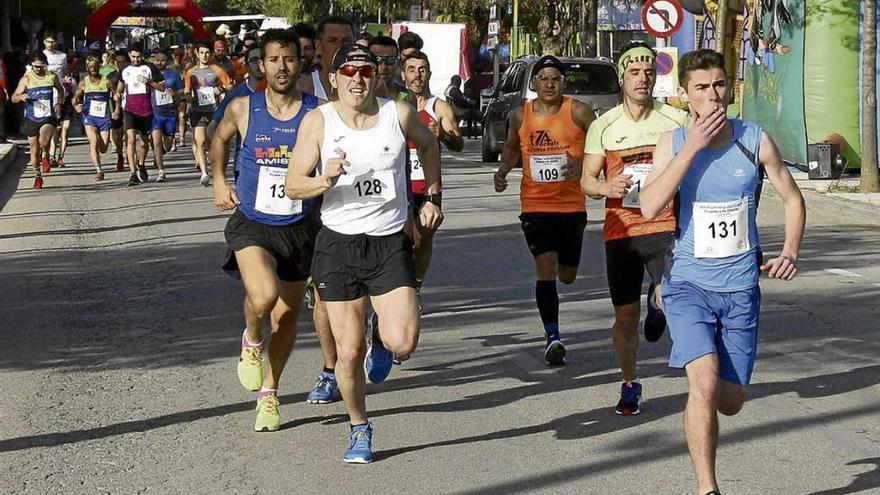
8 153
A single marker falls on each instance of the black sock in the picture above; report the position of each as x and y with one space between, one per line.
329 370
548 306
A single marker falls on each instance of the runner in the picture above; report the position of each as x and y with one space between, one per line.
92 100
620 144
221 58
333 32
57 59
306 35
37 91
547 137
204 85
361 252
384 49
137 83
272 236
714 167
164 123
117 132
58 146
437 115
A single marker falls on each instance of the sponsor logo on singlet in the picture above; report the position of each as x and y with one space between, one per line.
262 138
541 141
272 155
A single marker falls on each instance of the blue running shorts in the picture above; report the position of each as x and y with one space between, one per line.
707 322
166 124
102 124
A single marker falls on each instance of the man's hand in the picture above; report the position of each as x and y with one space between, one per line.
572 168
143 79
78 107
705 127
782 267
335 167
224 196
617 187
430 216
500 181
434 127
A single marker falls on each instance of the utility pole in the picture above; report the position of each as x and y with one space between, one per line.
494 29
721 26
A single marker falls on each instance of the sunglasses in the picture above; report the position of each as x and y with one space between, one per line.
386 59
38 67
366 71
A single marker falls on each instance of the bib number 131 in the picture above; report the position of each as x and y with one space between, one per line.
721 229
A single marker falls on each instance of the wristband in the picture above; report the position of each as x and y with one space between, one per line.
436 198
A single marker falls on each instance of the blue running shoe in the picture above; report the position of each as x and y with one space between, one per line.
630 398
324 391
359 445
655 321
378 361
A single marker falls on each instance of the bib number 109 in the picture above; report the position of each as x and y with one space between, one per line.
548 174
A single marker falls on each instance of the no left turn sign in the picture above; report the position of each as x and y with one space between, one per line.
661 18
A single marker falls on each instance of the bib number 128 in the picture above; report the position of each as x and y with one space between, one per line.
368 187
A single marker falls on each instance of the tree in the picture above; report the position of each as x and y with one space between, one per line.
869 177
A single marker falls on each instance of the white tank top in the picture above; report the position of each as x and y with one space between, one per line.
318 86
371 198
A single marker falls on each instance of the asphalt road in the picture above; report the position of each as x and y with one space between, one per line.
119 339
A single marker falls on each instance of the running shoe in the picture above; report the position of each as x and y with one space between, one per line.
268 418
655 321
38 182
360 445
324 391
99 176
53 163
120 164
59 162
554 353
143 176
378 361
133 180
161 177
250 365
630 398
398 360
205 180
47 166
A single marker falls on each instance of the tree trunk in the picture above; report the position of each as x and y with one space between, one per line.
592 17
869 178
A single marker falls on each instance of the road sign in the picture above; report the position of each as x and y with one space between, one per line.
666 70
661 18
663 64
494 28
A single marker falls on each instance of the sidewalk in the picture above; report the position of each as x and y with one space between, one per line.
7 155
846 182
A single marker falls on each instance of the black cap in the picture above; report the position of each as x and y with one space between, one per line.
548 61
352 53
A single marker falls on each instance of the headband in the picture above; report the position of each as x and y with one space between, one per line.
635 54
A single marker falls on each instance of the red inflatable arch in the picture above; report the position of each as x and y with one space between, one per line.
101 19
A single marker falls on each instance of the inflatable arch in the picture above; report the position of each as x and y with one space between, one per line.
101 19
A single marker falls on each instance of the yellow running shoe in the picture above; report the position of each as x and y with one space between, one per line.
250 365
268 418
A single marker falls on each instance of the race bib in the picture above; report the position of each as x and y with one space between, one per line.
721 230
375 186
136 87
416 170
42 108
205 96
547 168
638 172
98 109
270 193
164 98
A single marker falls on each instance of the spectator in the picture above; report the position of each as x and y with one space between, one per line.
464 108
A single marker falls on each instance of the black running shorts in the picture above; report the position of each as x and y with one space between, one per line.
348 267
200 119
32 129
139 123
626 260
562 233
291 245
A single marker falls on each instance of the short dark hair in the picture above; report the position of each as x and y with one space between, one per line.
304 30
383 41
39 56
284 37
418 56
136 47
703 59
202 44
409 40
334 19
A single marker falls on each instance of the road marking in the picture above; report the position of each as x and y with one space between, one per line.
842 273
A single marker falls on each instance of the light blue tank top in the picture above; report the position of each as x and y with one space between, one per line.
718 176
268 145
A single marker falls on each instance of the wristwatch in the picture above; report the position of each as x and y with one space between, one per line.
436 198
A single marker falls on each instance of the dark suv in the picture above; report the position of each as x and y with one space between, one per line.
590 80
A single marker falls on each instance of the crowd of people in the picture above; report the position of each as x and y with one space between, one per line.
337 193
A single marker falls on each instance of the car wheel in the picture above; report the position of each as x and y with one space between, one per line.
489 156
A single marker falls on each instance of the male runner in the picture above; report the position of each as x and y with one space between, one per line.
547 136
204 85
58 145
221 58
272 236
407 44
92 100
333 32
361 252
306 35
137 83
384 49
714 167
117 132
37 91
437 115
56 59
254 82
620 144
164 123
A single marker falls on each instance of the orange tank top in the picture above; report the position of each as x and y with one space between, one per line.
544 142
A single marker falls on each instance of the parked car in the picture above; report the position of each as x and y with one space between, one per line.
590 80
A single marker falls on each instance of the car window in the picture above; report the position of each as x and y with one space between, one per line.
507 79
519 77
590 79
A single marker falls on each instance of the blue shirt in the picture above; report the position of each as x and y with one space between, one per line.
718 176
241 90
172 82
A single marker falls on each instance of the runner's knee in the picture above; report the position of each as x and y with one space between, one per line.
567 274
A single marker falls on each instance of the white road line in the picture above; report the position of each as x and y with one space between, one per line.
842 273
